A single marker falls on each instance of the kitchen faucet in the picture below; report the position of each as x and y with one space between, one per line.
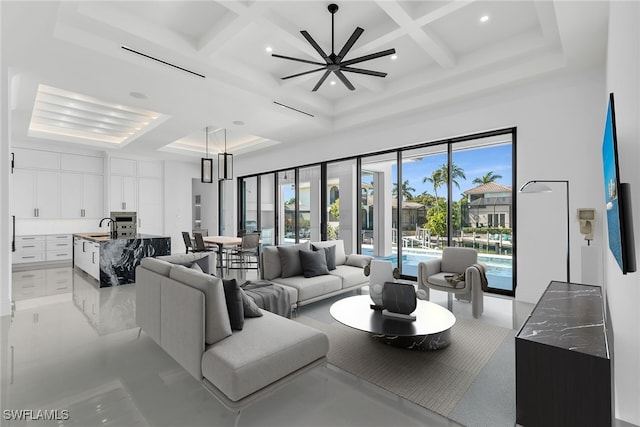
111 222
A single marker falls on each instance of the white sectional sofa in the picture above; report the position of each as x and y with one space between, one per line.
185 313
347 275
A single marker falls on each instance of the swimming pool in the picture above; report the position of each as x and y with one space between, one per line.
499 267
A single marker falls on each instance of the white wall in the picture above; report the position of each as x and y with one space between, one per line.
178 200
623 292
559 132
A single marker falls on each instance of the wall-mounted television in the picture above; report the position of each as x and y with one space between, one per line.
617 198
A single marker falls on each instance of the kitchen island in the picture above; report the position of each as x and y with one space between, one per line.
112 261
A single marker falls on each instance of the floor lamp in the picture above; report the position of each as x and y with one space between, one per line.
539 186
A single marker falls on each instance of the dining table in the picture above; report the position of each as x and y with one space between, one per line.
222 241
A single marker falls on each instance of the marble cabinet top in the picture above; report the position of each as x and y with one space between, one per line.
105 237
569 316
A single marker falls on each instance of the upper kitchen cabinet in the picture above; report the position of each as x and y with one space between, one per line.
123 188
82 186
35 193
36 159
82 195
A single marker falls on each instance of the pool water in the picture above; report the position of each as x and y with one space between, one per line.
499 267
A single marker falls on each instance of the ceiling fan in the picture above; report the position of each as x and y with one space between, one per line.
334 63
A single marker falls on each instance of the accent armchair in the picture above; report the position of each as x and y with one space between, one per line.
440 274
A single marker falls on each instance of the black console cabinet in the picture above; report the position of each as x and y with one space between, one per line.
563 364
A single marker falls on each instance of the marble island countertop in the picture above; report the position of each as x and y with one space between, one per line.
104 237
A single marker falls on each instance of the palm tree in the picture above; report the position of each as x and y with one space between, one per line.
406 190
487 178
439 176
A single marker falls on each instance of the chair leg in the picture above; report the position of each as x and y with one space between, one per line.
450 301
139 332
236 419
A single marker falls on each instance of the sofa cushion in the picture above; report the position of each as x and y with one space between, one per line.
330 255
270 263
351 276
156 265
314 263
313 286
217 324
290 260
201 258
234 303
267 349
357 260
249 306
341 258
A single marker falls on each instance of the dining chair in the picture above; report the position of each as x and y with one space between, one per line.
187 242
250 247
201 246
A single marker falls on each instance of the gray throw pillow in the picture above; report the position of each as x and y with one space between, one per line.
234 303
290 261
251 309
195 266
314 263
330 254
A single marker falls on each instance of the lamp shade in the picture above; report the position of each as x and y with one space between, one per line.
535 187
225 166
206 170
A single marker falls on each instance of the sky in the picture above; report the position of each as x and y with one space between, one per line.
475 163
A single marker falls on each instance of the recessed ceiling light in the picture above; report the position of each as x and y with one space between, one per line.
238 123
137 95
394 57
269 49
484 18
333 82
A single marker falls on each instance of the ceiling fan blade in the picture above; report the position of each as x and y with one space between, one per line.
344 80
361 71
302 74
349 44
368 57
315 45
297 59
322 79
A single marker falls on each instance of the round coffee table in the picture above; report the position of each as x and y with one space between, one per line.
430 330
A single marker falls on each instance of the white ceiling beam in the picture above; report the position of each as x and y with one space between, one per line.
428 42
239 18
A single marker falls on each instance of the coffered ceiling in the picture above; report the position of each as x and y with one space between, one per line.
212 66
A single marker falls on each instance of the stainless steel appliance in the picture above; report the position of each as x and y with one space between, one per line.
125 223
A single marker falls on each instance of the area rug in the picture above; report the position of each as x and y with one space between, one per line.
436 380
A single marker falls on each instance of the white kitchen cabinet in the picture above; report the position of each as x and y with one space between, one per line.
81 253
23 193
29 249
47 190
80 163
82 195
35 193
123 167
36 159
86 256
59 247
150 206
123 193
94 261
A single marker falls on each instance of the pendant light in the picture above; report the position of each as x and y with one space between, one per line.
225 162
206 164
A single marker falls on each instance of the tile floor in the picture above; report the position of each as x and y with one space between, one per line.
79 351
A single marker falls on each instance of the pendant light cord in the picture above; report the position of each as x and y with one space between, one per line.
207 141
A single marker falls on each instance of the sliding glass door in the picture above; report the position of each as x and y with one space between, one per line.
403 205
